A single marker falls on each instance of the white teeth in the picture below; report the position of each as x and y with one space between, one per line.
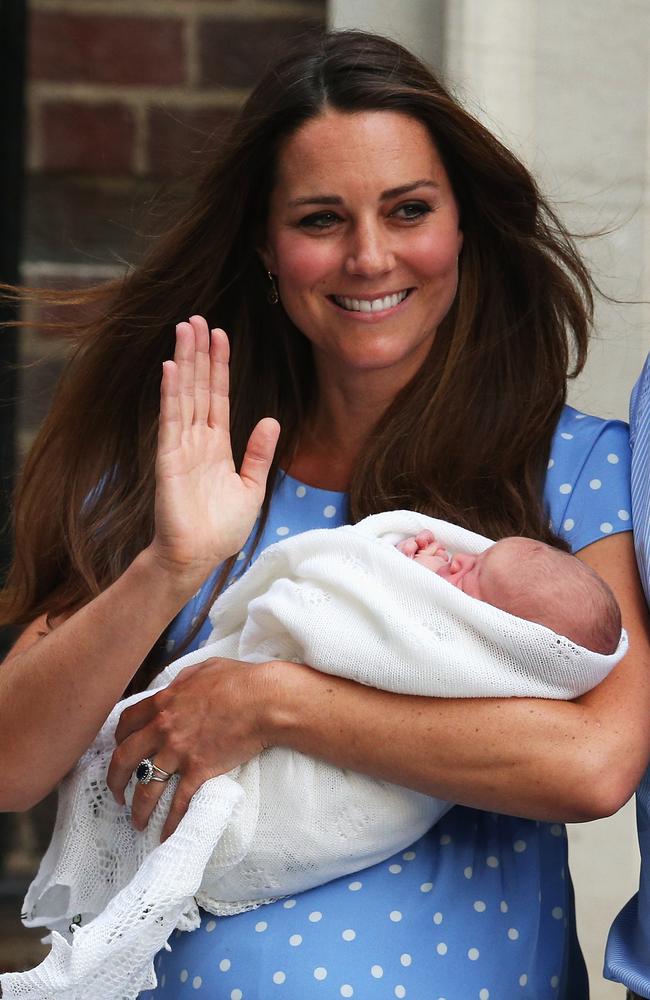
370 305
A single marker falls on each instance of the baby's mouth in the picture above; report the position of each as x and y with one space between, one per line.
380 304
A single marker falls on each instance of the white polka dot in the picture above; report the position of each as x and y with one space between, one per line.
405 960
279 977
400 992
426 887
346 990
210 926
569 524
261 926
523 980
519 846
555 982
295 940
376 972
479 906
315 916
566 488
624 515
606 527
300 491
566 436
557 913
395 916
551 463
441 948
289 904
184 976
224 964
468 872
492 862
320 973
595 484
484 995
355 886
197 983
580 416
503 906
513 933
409 856
445 839
330 511
394 869
613 459
236 995
169 645
473 954
163 979
282 531
556 830
349 934
437 918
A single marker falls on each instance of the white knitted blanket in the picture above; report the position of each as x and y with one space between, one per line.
348 603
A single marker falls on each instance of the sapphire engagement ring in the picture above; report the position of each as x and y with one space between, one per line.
147 771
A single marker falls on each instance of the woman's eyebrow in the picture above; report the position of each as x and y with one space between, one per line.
333 199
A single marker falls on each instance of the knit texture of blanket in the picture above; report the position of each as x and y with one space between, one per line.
348 603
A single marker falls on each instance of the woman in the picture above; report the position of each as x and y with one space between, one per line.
412 337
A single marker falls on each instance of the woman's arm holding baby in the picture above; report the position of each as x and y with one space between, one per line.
550 760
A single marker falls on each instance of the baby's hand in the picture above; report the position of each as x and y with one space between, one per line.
415 543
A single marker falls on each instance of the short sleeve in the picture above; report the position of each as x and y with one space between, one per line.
587 489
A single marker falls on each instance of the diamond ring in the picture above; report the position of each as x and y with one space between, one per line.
147 771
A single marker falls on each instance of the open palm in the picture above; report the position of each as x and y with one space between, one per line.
204 508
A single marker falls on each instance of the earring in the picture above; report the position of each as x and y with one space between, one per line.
272 293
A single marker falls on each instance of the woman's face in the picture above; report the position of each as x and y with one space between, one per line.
363 236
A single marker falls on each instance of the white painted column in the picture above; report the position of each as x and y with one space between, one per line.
567 87
416 24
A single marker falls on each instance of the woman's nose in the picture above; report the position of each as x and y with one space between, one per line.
369 254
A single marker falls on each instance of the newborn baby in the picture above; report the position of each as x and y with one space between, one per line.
532 581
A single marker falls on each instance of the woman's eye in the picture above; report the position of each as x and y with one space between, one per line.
412 210
319 220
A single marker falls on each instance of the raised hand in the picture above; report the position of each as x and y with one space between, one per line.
204 508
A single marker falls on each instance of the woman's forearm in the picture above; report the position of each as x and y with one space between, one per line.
568 761
56 691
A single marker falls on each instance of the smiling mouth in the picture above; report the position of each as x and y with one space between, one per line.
370 305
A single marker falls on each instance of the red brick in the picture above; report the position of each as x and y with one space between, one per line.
90 138
98 48
236 53
180 139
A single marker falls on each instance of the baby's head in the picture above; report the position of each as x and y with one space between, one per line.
537 582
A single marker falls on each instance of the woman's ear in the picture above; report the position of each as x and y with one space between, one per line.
267 258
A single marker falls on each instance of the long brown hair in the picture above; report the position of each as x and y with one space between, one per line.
467 440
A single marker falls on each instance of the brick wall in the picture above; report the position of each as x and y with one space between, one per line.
123 96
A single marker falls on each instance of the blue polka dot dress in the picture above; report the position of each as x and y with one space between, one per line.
481 907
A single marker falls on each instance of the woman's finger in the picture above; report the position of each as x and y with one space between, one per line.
201 369
169 425
219 381
184 358
180 805
145 798
259 454
137 716
126 757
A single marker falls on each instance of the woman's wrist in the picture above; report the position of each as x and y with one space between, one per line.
172 583
283 688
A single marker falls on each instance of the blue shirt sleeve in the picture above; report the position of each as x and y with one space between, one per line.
587 490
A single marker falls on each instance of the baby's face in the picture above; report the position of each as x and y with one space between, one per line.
487 576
